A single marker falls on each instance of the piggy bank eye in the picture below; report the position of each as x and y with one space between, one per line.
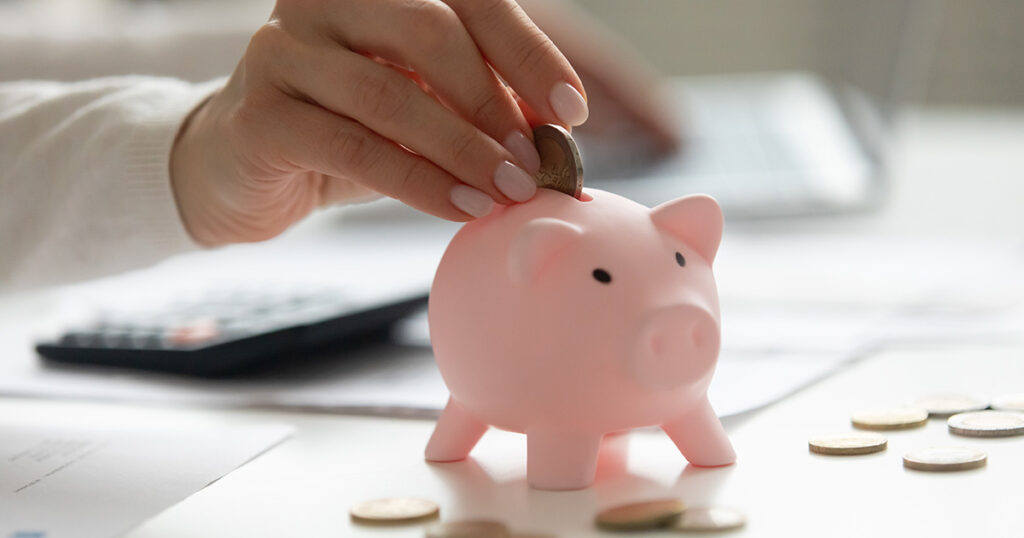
680 260
602 276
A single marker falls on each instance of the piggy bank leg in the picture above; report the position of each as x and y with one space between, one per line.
699 436
560 460
456 433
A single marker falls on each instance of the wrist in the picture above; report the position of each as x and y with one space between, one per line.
190 176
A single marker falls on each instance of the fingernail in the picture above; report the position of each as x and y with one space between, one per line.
471 201
568 104
513 182
519 145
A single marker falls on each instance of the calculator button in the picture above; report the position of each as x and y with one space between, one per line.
193 333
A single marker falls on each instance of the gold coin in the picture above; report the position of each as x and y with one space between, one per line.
1009 402
902 418
847 444
394 511
987 424
709 519
641 515
944 405
944 459
561 168
468 529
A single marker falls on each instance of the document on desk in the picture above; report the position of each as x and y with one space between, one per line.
66 481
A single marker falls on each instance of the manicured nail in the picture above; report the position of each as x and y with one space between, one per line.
471 201
513 182
568 104
519 145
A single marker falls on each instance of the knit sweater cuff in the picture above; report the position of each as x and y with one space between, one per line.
148 199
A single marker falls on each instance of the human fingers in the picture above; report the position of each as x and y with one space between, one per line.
524 56
311 138
430 39
389 104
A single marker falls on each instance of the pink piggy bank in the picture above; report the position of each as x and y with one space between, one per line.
568 320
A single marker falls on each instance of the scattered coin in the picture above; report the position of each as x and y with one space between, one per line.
847 444
944 405
987 424
468 529
902 418
561 168
944 459
642 515
706 519
1009 402
394 511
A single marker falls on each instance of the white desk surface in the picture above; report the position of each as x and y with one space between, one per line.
305 486
956 173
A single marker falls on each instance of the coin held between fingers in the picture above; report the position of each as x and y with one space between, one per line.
561 167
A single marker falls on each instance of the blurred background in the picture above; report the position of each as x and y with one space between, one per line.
973 55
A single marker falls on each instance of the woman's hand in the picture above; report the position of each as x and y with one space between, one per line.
338 100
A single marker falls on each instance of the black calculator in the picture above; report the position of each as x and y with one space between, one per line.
227 332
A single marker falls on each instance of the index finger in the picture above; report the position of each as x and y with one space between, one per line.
526 58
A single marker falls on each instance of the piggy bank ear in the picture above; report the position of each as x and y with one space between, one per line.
536 244
695 219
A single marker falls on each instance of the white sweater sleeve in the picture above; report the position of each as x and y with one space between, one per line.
84 176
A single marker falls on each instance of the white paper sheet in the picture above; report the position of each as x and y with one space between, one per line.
74 481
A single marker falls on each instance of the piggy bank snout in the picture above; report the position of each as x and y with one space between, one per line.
675 346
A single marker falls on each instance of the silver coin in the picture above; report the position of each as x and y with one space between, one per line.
1009 402
901 418
468 529
944 459
847 444
561 168
709 519
944 405
987 424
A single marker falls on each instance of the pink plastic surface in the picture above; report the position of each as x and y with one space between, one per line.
529 338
